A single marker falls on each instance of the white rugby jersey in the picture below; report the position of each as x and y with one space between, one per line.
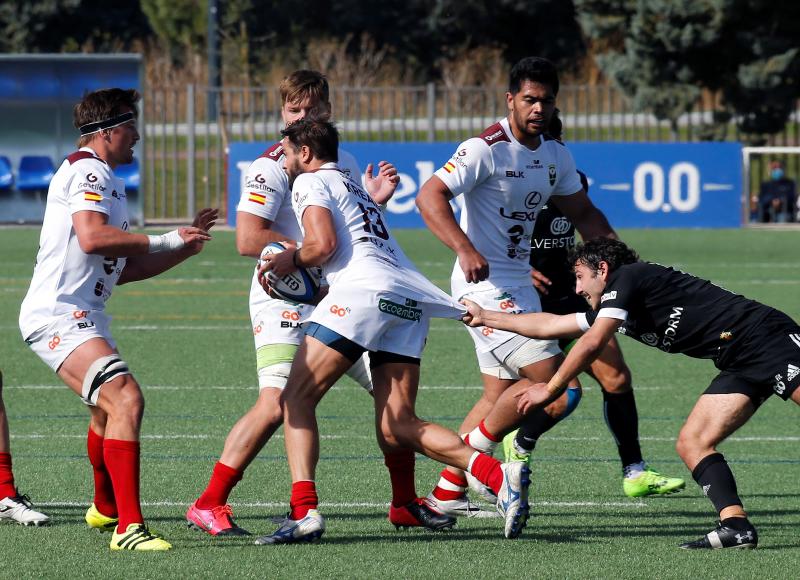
266 194
505 185
367 256
65 279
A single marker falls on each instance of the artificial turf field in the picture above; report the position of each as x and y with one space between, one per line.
187 337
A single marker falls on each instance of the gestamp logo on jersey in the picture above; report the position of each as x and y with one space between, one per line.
399 310
608 296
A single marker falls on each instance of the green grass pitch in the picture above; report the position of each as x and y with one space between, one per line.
187 336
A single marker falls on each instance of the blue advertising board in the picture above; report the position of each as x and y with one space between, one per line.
637 185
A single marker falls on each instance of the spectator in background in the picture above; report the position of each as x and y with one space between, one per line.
777 196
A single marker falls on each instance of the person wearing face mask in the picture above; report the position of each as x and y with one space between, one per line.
778 196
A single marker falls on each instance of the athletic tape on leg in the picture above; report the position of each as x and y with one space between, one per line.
101 371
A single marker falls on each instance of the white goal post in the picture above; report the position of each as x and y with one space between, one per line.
754 161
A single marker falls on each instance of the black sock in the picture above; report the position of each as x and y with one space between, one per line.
716 479
534 426
619 411
738 524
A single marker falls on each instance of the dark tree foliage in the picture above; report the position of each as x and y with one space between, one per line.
663 53
69 25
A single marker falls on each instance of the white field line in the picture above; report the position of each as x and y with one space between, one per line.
348 505
253 388
168 437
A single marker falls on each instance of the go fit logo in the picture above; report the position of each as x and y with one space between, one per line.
340 311
290 315
54 342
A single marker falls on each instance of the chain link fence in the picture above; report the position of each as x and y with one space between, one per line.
188 129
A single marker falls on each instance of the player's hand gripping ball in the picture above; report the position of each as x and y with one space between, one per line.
302 285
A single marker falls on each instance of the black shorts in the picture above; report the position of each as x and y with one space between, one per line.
564 305
767 362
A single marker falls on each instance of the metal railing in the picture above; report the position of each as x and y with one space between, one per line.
185 151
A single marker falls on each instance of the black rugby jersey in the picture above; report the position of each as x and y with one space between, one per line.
678 312
553 237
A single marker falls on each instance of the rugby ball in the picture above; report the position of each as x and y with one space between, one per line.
302 285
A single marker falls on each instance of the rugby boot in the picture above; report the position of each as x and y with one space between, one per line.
512 498
724 536
217 521
19 509
307 529
651 482
98 521
460 507
419 514
138 537
510 451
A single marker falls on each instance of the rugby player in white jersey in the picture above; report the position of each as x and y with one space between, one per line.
265 215
85 250
14 506
505 176
377 302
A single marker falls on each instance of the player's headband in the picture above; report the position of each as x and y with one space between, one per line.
90 128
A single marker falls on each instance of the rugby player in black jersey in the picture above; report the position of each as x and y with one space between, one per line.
553 238
755 347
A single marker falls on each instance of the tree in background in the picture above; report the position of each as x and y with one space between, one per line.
663 53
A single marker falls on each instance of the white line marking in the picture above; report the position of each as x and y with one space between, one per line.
616 186
253 387
745 439
717 187
340 505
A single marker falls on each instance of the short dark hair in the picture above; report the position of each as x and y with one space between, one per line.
321 137
103 104
535 69
614 252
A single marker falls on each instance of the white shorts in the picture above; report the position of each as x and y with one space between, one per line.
495 347
280 322
54 342
375 320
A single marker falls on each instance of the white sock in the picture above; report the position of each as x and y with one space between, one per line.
634 469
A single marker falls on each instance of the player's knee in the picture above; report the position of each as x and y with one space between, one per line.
563 407
101 372
614 380
690 444
268 406
397 428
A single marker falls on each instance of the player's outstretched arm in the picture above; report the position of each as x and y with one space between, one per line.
382 186
433 202
580 356
541 325
170 249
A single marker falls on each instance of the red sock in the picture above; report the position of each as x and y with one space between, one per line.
490 436
103 489
223 480
450 486
122 462
304 498
401 473
7 488
487 470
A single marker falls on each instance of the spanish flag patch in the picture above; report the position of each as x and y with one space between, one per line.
92 196
449 167
258 198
